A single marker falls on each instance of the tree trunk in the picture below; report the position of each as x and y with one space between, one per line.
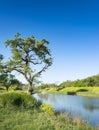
30 89
7 88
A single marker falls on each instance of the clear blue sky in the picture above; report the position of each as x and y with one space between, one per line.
71 27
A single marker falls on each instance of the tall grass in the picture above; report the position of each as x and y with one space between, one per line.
15 115
34 120
8 100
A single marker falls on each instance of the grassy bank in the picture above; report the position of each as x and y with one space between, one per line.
83 91
22 112
34 120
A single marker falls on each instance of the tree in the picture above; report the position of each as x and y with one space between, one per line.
17 84
1 63
6 80
28 55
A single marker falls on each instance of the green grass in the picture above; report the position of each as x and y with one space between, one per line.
37 120
90 91
15 115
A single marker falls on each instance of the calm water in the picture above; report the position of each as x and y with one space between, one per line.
86 108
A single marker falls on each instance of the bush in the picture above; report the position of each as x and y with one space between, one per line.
18 100
47 108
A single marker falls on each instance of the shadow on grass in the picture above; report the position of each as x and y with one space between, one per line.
71 93
82 90
2 89
74 93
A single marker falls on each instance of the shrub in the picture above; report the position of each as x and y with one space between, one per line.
47 108
18 100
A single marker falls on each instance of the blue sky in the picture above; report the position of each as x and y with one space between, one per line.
71 27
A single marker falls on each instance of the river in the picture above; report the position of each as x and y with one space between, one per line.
87 108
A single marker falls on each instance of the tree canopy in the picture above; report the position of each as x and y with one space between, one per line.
29 57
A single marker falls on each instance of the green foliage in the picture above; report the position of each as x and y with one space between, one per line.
84 91
85 87
7 80
47 108
1 64
28 119
18 100
43 86
19 111
28 54
87 82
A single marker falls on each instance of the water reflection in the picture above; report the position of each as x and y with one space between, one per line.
85 107
91 104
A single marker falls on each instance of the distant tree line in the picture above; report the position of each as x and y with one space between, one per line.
92 81
87 82
43 86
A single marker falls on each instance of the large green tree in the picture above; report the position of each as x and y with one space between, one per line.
29 57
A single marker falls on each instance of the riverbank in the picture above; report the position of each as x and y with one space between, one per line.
80 91
19 111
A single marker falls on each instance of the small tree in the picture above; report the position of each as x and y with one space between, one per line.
29 57
2 68
1 63
16 83
6 80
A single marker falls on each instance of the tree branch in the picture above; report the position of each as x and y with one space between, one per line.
39 72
